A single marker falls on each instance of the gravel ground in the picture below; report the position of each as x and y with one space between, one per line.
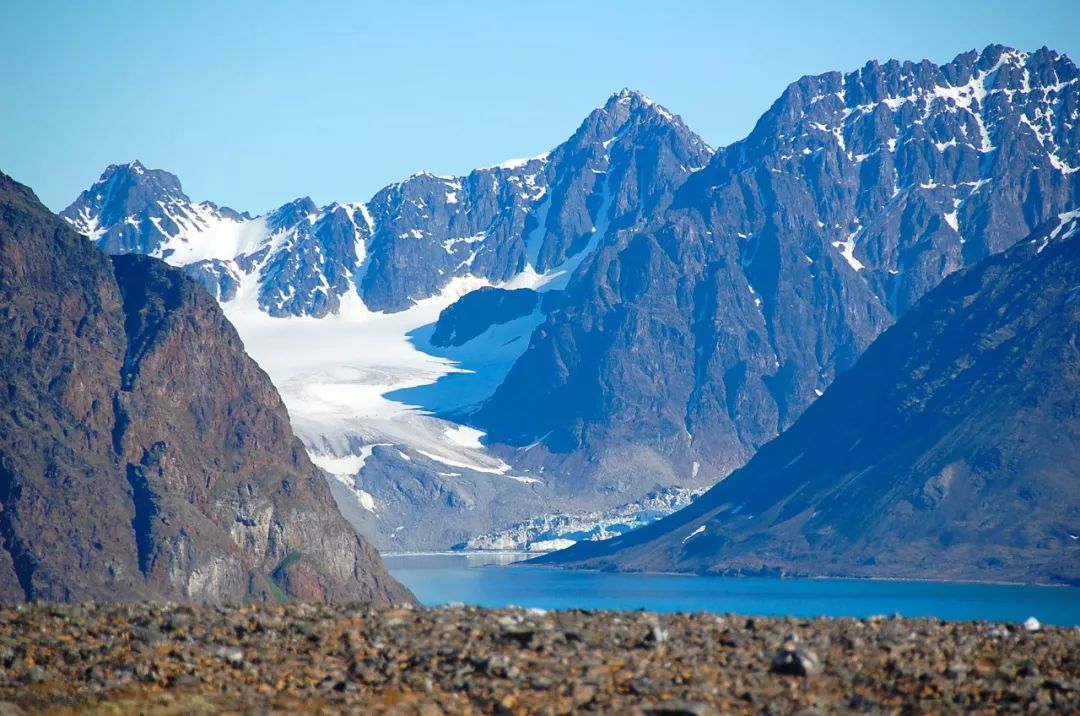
168 659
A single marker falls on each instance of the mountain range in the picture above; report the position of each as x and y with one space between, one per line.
630 311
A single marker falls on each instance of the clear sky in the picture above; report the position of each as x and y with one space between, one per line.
253 103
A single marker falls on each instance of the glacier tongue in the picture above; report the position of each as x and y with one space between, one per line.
551 532
334 373
367 391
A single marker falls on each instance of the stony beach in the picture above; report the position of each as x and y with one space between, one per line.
168 659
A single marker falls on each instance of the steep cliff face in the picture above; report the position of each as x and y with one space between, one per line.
142 453
951 449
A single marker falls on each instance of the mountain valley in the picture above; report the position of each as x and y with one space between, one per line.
628 312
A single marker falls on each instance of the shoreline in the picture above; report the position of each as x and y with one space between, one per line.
453 553
305 658
658 573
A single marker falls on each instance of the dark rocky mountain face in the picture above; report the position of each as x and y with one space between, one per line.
312 265
704 333
478 310
143 455
132 209
950 450
624 161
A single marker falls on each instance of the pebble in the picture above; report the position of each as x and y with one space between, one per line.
298 658
230 654
678 708
795 661
1032 624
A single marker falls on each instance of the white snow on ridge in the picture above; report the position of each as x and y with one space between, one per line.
518 163
974 98
557 278
1068 226
89 226
213 237
335 465
201 232
358 378
450 244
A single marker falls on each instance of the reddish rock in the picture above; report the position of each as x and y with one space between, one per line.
143 454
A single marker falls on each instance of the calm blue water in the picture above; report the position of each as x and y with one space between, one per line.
439 579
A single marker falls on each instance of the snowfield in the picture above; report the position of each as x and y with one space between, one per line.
334 374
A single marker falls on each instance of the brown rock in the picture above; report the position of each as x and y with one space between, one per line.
143 454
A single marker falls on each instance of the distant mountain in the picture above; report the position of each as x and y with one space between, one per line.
377 274
412 238
636 310
700 335
951 449
143 455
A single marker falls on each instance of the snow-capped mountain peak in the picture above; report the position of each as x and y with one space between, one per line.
641 287
633 98
629 111
967 102
376 272
134 209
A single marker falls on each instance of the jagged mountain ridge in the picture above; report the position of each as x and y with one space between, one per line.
143 454
709 307
413 237
779 262
949 451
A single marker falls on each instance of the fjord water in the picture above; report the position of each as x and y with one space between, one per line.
495 581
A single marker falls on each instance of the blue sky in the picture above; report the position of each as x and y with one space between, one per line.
255 103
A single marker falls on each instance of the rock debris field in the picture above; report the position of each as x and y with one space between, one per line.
297 658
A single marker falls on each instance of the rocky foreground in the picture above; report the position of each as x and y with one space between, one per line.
167 659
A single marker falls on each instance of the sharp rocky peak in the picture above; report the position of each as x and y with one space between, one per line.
119 181
629 97
133 186
291 213
132 208
629 117
996 68
884 105
628 104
